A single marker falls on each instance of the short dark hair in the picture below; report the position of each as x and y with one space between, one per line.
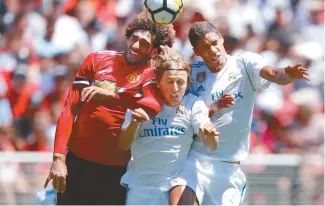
199 30
164 33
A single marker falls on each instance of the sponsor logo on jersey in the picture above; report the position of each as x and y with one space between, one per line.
133 77
201 76
160 128
216 95
200 89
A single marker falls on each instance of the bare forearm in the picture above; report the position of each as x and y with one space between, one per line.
282 78
127 136
278 76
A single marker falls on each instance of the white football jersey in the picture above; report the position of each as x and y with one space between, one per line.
240 77
161 146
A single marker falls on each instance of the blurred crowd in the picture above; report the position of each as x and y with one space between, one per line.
43 43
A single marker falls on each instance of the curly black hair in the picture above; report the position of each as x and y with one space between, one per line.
164 33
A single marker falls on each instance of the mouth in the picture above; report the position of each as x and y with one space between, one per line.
132 53
215 58
174 96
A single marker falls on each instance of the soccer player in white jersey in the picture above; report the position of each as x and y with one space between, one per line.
227 84
160 145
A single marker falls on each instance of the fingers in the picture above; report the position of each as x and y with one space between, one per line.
226 101
209 129
57 184
140 115
47 180
58 175
86 93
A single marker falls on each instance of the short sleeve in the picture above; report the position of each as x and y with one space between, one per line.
86 71
253 64
200 115
127 120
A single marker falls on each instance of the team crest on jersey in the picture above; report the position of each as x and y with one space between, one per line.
180 110
133 77
232 76
201 76
109 86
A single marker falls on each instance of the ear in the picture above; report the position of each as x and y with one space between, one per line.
196 52
222 40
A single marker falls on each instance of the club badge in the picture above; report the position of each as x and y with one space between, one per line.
201 76
133 78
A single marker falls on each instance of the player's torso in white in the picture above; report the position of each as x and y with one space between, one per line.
161 146
233 123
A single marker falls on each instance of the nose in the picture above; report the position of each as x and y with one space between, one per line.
136 46
174 87
214 50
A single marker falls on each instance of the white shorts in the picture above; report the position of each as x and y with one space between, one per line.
214 182
147 196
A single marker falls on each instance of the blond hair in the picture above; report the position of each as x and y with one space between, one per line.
169 59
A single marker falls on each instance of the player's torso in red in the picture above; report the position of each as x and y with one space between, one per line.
97 126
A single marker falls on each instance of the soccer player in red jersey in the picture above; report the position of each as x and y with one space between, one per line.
106 85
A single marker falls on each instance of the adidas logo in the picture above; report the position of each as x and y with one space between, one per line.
200 89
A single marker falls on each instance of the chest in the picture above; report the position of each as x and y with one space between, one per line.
214 85
167 125
118 78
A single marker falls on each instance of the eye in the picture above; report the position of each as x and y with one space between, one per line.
170 81
180 82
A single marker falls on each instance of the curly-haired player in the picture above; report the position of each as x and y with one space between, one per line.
107 83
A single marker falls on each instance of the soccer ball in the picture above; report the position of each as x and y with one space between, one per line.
163 11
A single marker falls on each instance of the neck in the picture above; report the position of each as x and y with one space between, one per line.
218 68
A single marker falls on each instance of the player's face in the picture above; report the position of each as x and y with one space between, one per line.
211 50
173 85
139 47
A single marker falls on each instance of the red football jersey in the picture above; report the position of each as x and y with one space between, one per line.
98 124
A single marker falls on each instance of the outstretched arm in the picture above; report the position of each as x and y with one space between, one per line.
284 76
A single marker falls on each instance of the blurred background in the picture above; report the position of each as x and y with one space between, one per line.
43 43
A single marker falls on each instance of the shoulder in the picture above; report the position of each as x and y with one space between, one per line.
108 54
197 67
197 64
248 56
189 100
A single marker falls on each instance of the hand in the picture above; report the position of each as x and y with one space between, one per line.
139 115
94 92
224 101
209 136
58 174
209 131
297 72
